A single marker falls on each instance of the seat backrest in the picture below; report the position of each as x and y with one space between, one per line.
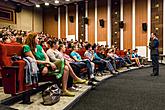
117 52
122 53
68 51
81 52
7 51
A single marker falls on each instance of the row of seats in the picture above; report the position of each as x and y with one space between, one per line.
13 77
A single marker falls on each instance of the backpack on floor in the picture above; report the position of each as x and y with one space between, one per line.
51 95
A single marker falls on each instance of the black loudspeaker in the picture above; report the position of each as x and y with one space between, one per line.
85 20
71 19
101 23
144 26
18 8
121 24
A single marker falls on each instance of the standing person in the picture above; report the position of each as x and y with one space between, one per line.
153 45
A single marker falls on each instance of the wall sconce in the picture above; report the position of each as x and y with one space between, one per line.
156 17
157 29
157 6
116 22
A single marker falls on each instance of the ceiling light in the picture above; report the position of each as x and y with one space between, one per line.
37 6
56 1
67 0
46 4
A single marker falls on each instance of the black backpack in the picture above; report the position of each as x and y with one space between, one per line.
51 95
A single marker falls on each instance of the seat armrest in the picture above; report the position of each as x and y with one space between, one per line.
10 67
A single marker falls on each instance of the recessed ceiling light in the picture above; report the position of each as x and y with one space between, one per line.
67 0
46 4
56 1
37 5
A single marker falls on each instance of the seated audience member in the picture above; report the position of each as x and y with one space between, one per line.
101 53
56 56
127 58
44 45
115 57
75 65
106 62
89 65
13 39
6 40
90 55
35 51
136 58
142 59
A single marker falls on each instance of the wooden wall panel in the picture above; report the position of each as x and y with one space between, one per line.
91 25
50 24
141 17
115 19
157 21
25 19
72 26
81 25
63 21
102 14
127 24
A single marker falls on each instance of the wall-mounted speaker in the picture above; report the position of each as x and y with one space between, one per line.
85 20
101 23
144 27
121 24
18 8
71 19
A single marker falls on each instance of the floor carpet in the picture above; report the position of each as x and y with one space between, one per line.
133 90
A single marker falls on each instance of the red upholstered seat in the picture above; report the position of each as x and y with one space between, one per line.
12 72
13 77
68 51
117 52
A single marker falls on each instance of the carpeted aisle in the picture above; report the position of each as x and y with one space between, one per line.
133 90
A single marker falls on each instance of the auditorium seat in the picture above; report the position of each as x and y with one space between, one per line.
13 78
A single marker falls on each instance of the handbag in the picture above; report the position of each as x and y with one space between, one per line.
15 57
51 95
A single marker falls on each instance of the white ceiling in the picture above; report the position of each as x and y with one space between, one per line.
33 2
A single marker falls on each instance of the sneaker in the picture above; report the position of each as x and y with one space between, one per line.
128 65
77 86
73 89
115 72
79 81
105 71
91 83
68 93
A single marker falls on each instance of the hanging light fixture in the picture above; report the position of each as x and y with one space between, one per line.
46 4
56 1
37 5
